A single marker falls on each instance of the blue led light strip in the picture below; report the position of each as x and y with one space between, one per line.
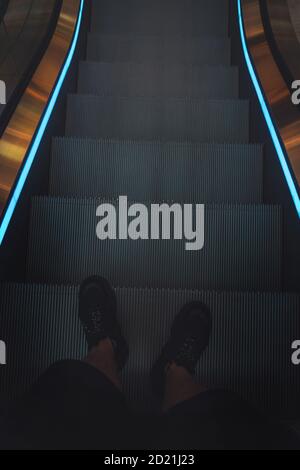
276 141
41 130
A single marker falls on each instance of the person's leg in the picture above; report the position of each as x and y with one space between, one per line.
193 416
79 404
172 375
102 358
180 386
98 314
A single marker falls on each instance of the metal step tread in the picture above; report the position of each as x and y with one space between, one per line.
157 171
177 119
41 326
176 49
129 79
166 16
242 249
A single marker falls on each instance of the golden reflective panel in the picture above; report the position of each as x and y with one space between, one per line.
286 115
24 122
284 33
22 32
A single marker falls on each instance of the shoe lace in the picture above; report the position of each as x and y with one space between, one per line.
95 324
188 354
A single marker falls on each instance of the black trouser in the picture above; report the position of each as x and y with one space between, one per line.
74 406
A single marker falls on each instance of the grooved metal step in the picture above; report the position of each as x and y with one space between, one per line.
152 17
198 50
120 79
158 119
157 171
249 352
242 249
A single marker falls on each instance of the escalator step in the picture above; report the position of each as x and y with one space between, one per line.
242 249
152 17
158 119
203 50
119 79
157 171
249 352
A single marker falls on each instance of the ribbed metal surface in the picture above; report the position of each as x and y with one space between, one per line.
154 80
157 171
167 16
249 352
242 249
158 119
209 50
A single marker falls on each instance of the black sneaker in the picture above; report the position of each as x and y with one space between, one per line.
98 315
190 335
